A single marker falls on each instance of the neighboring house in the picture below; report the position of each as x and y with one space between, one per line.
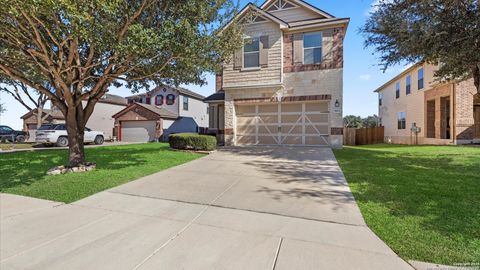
100 120
162 111
445 112
285 85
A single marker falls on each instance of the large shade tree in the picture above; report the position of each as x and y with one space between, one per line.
73 51
434 31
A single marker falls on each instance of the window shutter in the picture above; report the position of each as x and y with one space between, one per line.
264 51
237 59
327 45
298 48
156 100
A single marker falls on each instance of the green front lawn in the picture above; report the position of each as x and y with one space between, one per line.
24 173
423 201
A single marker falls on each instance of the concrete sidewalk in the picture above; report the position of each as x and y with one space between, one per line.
240 208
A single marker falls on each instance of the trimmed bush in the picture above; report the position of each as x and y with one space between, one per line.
192 141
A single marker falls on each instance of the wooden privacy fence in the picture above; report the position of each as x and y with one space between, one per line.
361 136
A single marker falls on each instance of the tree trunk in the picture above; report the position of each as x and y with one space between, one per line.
39 117
75 130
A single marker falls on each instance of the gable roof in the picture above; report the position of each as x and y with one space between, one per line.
164 113
302 4
250 6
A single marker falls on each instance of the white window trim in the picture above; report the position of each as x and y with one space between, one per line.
243 54
398 119
321 47
185 98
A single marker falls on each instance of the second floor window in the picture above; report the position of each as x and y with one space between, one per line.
408 87
420 78
251 53
380 99
159 100
402 120
397 90
185 103
312 48
170 99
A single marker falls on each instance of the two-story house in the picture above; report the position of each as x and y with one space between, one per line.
285 85
443 112
152 116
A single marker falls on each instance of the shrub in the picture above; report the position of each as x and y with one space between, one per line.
192 141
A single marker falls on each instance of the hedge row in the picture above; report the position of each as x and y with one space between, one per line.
192 141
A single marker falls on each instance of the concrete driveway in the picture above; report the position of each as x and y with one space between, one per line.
239 208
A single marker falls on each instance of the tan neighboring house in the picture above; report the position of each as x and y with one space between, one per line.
100 120
285 85
445 112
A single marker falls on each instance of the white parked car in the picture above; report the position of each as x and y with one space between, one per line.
57 134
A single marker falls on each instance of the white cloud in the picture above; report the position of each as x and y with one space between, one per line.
365 77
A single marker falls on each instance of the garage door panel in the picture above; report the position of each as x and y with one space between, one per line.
292 140
242 139
322 129
267 130
286 123
138 131
246 120
317 118
267 108
245 109
316 107
268 119
246 129
291 118
266 140
316 140
291 107
292 129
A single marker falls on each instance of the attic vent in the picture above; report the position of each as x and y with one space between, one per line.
280 4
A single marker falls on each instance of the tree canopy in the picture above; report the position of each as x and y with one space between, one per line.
73 51
434 31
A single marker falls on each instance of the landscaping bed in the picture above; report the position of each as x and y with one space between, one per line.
423 201
24 173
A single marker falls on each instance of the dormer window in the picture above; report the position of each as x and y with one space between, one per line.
251 53
159 100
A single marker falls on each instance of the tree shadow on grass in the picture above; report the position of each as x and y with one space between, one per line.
25 168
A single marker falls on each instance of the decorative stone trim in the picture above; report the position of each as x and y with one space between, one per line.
336 131
283 99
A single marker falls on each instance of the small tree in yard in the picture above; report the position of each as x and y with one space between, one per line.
352 121
434 31
30 99
73 51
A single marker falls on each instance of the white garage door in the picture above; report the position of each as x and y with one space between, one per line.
138 131
303 123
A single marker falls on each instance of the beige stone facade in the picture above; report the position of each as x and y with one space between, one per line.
445 112
308 96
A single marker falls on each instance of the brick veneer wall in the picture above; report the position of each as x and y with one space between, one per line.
337 54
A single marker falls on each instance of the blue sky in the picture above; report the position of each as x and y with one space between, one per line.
361 71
